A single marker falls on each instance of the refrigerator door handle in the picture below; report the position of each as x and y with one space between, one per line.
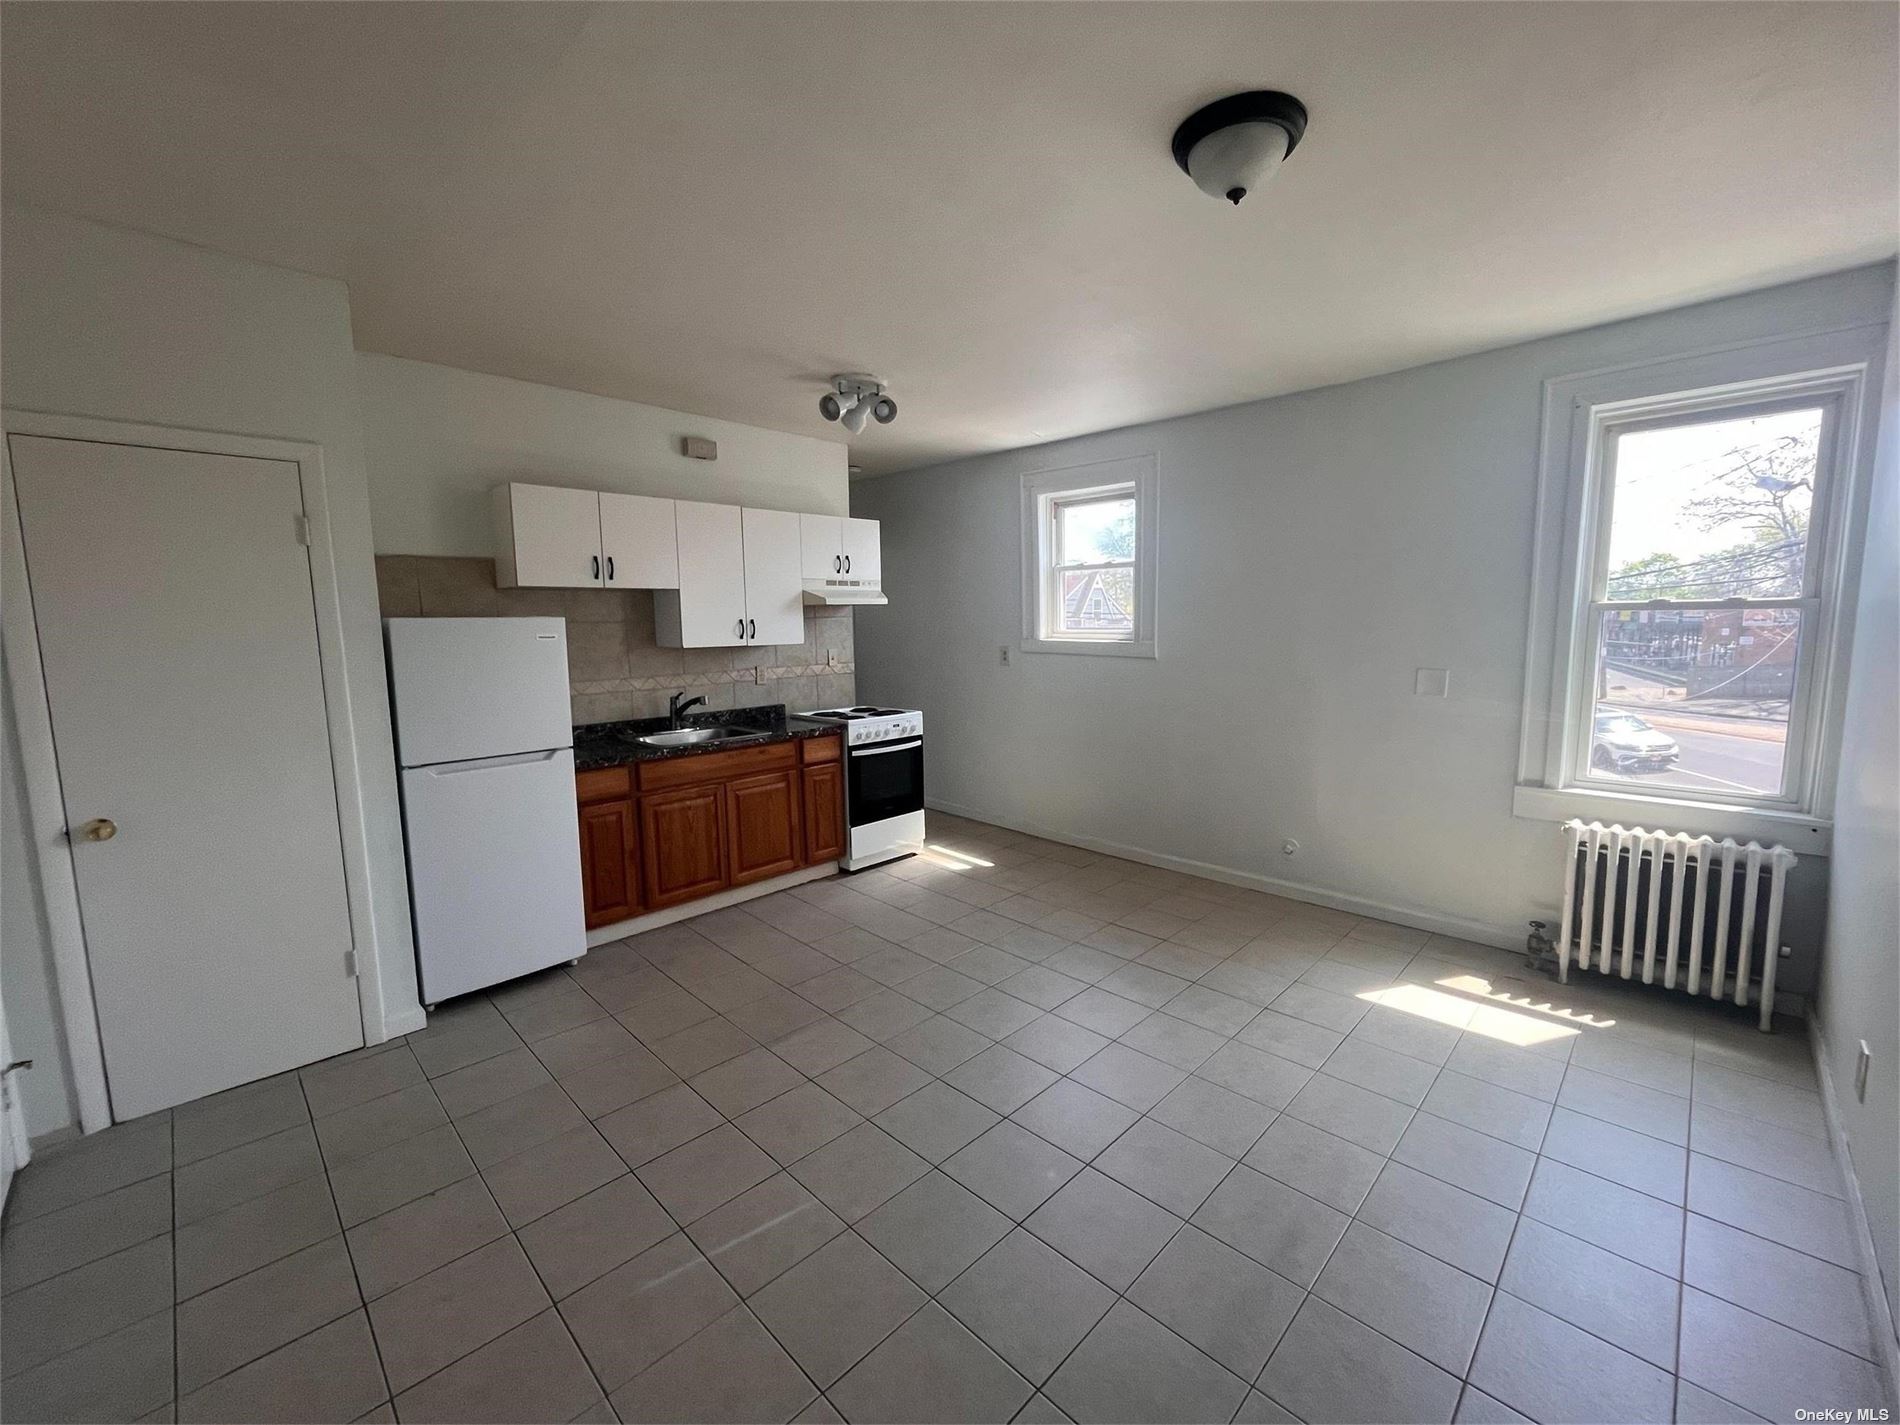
482 764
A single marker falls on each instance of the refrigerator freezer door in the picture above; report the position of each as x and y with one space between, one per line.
478 687
494 869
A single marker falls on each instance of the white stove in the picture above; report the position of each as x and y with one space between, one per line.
884 782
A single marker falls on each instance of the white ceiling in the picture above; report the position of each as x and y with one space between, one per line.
714 206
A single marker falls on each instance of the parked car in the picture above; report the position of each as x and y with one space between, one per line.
1625 743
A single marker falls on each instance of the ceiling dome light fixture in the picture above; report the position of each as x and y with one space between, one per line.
856 398
1234 145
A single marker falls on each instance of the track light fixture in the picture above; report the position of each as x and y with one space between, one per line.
1234 145
856 398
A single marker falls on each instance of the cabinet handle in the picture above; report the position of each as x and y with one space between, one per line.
597 566
837 564
751 628
739 629
610 568
847 564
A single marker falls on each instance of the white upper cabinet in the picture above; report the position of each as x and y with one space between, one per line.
863 551
774 584
639 544
840 548
821 546
708 610
547 538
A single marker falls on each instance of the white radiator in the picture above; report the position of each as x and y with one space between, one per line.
1661 906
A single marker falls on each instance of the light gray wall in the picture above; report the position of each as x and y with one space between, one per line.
438 439
1315 550
110 323
1860 986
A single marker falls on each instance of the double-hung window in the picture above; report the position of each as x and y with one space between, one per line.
1089 559
1704 544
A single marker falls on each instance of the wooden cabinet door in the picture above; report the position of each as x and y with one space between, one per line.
683 844
824 812
639 542
774 586
549 537
763 825
610 862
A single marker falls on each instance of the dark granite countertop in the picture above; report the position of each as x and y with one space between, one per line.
613 744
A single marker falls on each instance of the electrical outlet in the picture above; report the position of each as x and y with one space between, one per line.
832 659
761 674
1861 1065
1432 683
1002 654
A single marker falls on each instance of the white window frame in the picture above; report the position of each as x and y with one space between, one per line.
1582 415
1043 492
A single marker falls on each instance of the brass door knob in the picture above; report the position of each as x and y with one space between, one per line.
99 829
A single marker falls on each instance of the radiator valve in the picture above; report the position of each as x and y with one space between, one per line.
1539 948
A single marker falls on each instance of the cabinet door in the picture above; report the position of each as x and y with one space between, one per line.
550 537
709 610
639 543
820 547
683 844
610 862
774 587
762 826
863 551
824 812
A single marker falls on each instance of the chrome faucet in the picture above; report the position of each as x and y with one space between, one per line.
675 707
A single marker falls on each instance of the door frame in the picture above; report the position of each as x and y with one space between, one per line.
45 809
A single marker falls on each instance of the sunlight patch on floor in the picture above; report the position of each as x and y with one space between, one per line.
952 859
1511 1019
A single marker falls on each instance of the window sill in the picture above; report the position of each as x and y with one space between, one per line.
1133 649
1804 835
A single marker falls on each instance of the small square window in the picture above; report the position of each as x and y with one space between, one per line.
1088 559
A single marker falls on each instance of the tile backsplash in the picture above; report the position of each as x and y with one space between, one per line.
615 669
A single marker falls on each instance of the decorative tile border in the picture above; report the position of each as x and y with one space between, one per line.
718 678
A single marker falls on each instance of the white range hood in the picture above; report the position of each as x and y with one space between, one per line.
844 591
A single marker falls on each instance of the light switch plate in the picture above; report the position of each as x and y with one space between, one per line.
1432 683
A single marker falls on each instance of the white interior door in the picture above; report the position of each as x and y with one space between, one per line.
639 539
177 628
820 550
774 585
711 600
863 552
556 537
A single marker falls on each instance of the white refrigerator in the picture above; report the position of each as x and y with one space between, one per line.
486 747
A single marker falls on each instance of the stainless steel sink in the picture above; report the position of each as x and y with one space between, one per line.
693 736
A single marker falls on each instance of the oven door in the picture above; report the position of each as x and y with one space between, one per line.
884 781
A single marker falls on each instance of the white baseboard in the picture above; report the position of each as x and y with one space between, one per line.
738 895
1502 937
406 1021
1879 1309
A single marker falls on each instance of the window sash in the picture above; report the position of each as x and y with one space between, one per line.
1797 767
1054 567
1787 796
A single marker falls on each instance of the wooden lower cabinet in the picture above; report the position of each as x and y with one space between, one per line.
610 862
762 826
683 844
824 812
664 833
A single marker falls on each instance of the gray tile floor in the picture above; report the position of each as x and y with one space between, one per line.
1011 1131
